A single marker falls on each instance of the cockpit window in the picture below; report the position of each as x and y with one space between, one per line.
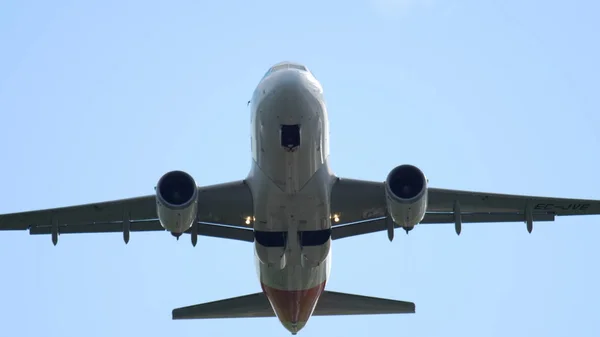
279 66
297 66
285 65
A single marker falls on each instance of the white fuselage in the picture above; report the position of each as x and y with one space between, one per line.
290 182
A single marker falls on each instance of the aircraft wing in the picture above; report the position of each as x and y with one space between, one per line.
361 208
222 210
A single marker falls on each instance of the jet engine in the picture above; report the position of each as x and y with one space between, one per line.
176 201
406 195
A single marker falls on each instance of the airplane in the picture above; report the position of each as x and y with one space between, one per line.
291 206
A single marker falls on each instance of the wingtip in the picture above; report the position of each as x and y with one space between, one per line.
175 314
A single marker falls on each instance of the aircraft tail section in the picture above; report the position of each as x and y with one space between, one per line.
334 304
253 305
329 304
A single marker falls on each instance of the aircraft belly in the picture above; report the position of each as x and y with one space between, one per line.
290 171
290 182
293 276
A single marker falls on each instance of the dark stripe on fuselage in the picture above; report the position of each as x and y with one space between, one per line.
279 239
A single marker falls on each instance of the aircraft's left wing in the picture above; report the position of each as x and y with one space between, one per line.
360 207
222 210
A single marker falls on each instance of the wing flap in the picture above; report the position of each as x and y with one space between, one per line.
204 229
377 225
439 218
112 227
336 304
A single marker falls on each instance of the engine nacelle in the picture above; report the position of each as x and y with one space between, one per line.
406 195
176 201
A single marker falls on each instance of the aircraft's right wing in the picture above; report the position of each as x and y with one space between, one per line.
360 207
222 210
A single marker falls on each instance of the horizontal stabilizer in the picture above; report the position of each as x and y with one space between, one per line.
330 304
333 304
253 305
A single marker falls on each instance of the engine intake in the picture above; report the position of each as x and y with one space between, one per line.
406 182
406 195
176 201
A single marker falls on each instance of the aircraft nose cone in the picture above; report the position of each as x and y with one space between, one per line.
289 97
290 81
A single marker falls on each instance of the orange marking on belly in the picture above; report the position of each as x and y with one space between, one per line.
293 306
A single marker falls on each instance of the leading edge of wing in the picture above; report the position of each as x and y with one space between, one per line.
228 203
443 200
139 208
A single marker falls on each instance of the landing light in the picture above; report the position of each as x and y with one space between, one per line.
336 218
249 219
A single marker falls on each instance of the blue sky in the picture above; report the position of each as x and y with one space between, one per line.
98 99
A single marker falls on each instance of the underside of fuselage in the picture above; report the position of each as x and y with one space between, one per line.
290 180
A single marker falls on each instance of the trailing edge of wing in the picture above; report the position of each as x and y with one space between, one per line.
377 225
329 304
204 229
